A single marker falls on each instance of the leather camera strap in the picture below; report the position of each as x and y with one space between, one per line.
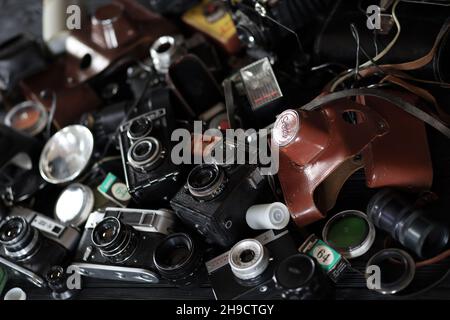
424 94
395 100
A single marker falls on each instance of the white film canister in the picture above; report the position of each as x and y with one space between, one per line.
15 294
273 216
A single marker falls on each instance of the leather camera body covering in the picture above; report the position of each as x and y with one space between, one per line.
321 149
117 35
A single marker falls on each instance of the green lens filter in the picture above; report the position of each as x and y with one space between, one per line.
349 232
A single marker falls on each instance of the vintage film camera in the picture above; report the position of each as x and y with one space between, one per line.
19 173
31 244
215 199
146 147
267 267
118 244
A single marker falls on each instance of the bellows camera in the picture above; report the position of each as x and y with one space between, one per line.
118 244
146 147
31 244
267 267
215 200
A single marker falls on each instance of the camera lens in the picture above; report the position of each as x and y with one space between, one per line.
163 53
55 274
115 240
300 278
177 257
249 33
247 256
29 117
206 181
106 232
11 230
393 212
140 128
248 259
145 154
295 271
56 278
164 47
19 239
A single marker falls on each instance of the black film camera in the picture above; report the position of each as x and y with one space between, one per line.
145 146
215 199
19 172
32 243
267 267
118 244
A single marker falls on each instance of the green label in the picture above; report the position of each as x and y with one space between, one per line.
326 256
3 278
107 183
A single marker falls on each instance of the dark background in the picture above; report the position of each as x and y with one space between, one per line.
18 16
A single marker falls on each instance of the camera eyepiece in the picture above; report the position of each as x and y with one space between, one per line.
115 240
145 154
394 213
177 257
140 128
248 259
205 182
20 240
